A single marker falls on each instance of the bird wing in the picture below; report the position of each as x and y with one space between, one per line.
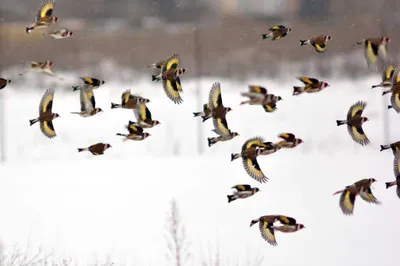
371 53
134 129
276 28
396 76
347 200
382 51
396 165
215 98
221 127
269 108
253 142
356 109
172 62
395 101
258 89
253 169
171 89
319 47
47 129
87 99
358 135
366 195
242 187
206 107
308 81
45 9
46 103
286 220
87 80
268 233
389 69
289 137
125 96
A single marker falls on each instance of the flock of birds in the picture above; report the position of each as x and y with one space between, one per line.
169 72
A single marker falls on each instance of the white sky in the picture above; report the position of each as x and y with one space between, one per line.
86 206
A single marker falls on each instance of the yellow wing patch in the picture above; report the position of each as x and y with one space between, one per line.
171 89
142 112
268 234
254 142
125 97
172 62
221 126
87 80
253 170
215 98
47 129
372 56
46 9
320 48
358 135
46 103
347 200
390 72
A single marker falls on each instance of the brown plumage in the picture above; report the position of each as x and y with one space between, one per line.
395 147
318 42
96 149
130 101
135 132
218 110
4 83
289 140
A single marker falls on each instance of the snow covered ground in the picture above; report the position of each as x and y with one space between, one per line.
82 205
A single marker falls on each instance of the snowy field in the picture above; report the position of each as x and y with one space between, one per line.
84 206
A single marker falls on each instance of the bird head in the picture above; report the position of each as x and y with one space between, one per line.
299 141
54 19
102 82
364 119
234 134
98 110
228 109
325 84
372 180
156 122
8 80
289 29
253 222
180 71
385 40
145 135
256 189
55 115
278 98
48 63
70 33
106 146
328 38
300 226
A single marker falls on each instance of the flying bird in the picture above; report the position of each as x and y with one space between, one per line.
311 85
44 16
88 103
96 149
242 192
45 67
277 32
388 75
354 123
59 34
170 74
318 42
143 117
94 83
249 144
205 114
158 65
267 228
46 116
130 101
395 147
374 49
259 96
396 170
289 140
135 132
4 83
360 188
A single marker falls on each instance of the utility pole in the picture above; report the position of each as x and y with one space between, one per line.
197 64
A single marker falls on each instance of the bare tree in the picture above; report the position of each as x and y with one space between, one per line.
24 257
178 245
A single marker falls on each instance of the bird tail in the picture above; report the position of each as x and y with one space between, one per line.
29 29
82 149
115 105
235 156
297 90
33 121
196 114
376 86
155 77
388 185
231 198
340 122
337 192
205 118
385 92
152 66
244 102
265 36
211 141
75 113
390 107
303 42
76 88
385 147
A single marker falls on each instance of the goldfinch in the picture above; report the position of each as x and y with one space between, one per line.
266 226
135 132
277 32
221 128
395 102
271 148
259 96
205 114
395 147
88 103
130 101
45 67
312 85
242 192
360 188
46 115
143 117
170 75
250 164
89 82
318 42
59 34
96 149
289 228
374 49
396 170
289 140
250 144
4 83
354 123
218 110
388 75
158 64
44 16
